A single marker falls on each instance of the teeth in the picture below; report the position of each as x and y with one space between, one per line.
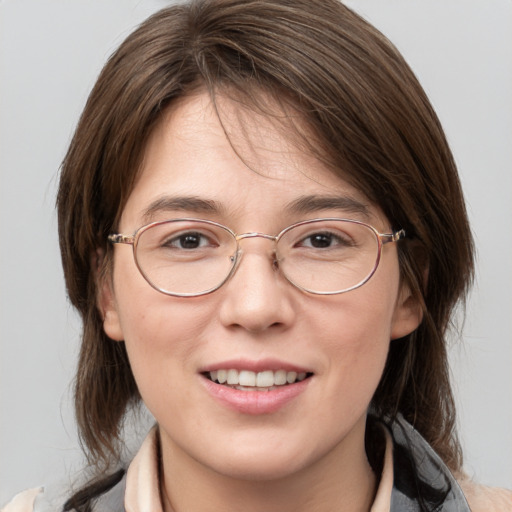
280 377
233 377
290 377
246 378
252 388
265 380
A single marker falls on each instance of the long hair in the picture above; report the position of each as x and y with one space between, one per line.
372 124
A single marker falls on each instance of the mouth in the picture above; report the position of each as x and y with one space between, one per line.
246 380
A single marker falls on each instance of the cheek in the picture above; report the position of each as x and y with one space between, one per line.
356 332
161 333
352 375
161 342
358 348
157 331
148 317
359 321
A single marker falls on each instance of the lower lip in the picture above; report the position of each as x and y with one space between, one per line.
255 402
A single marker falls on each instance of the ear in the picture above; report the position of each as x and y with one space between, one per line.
106 298
408 314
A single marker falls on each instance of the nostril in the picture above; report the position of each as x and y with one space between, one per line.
275 262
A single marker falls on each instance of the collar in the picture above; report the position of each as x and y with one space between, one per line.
142 478
414 479
143 486
422 482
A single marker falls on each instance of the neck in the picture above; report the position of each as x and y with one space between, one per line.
342 481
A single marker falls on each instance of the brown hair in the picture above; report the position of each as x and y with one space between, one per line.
370 118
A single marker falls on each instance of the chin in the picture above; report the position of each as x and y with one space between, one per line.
263 463
259 471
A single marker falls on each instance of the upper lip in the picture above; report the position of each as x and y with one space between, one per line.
255 366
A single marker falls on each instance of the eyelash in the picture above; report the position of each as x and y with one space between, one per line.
179 238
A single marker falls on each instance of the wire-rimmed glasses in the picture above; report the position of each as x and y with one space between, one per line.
191 257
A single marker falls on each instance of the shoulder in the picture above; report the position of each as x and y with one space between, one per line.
485 499
420 475
105 495
24 501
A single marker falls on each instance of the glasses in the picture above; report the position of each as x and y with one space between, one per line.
192 257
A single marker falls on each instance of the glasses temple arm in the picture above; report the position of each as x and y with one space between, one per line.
121 239
393 237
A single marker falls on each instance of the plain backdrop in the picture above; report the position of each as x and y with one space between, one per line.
50 53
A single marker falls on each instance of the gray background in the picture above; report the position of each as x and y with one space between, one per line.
50 53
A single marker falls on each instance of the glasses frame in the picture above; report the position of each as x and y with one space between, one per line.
133 240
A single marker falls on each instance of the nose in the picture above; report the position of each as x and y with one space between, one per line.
257 297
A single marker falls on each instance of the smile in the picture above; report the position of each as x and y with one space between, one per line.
246 380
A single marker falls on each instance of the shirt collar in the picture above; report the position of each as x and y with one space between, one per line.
413 476
143 484
142 478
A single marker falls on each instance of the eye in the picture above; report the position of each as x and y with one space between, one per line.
188 241
325 240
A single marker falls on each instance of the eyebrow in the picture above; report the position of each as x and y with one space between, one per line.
180 203
302 205
314 203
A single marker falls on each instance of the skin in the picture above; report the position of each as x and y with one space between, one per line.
309 454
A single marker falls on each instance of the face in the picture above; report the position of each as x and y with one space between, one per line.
257 322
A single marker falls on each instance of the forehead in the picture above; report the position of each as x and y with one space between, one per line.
266 138
241 160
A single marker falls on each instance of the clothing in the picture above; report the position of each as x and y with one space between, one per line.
413 476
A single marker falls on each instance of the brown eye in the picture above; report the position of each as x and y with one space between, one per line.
188 241
324 240
320 240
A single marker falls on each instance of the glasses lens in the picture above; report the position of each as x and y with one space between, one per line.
185 257
328 256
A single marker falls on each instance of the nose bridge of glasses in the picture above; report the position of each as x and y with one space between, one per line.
243 236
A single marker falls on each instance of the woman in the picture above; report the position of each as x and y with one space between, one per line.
299 242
